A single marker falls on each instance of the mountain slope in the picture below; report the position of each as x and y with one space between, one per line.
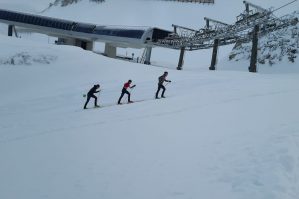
218 134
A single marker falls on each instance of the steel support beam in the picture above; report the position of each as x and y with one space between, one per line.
253 59
247 4
214 55
181 60
214 21
15 31
10 30
148 55
182 27
247 9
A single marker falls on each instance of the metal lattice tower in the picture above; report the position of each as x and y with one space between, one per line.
240 31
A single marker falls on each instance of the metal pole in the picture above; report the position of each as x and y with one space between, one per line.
15 31
181 60
214 55
148 55
247 8
253 59
10 30
208 23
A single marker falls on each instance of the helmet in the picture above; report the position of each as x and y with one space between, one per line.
130 80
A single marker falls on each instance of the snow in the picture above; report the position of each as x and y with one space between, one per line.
225 134
24 6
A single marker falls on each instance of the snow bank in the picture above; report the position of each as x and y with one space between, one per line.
218 134
25 58
16 52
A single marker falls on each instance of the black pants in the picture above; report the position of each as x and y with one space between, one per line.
123 92
88 98
159 88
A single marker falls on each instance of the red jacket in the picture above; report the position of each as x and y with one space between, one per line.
127 85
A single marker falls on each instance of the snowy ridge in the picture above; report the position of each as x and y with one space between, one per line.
25 58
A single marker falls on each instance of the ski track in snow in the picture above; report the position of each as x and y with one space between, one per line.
7 111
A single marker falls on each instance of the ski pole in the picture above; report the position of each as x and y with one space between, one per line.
167 83
131 89
99 96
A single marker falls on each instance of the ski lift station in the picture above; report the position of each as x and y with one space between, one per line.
84 35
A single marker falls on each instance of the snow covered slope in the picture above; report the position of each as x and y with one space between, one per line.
219 134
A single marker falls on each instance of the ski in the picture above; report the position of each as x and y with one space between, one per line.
136 101
126 103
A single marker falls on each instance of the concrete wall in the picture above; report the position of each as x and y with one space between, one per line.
86 45
110 51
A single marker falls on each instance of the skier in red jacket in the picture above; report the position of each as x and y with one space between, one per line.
125 91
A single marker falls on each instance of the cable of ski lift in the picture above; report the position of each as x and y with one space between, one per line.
284 5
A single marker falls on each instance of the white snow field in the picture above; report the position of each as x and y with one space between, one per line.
226 134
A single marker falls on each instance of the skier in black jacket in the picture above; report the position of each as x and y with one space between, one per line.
162 79
91 94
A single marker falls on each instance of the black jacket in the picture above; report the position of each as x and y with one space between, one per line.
162 79
93 90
